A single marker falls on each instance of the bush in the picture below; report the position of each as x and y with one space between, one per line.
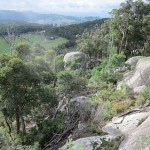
106 71
70 83
94 129
34 147
107 110
140 100
75 63
144 96
43 132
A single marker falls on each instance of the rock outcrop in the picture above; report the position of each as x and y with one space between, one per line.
88 142
75 60
135 128
80 106
133 61
92 143
137 77
139 139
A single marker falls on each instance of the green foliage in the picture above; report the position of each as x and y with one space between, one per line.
127 31
113 101
70 31
93 43
146 94
50 54
143 97
105 145
23 50
106 71
128 28
4 47
24 84
59 63
111 145
116 60
75 63
113 107
94 129
39 44
107 112
26 79
34 147
70 82
140 100
19 27
5 140
44 131
68 146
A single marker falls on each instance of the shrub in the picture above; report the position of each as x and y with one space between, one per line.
121 106
69 83
143 97
75 63
104 145
34 147
107 110
106 70
140 100
94 129
111 145
44 132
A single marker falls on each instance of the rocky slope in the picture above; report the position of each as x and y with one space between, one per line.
136 78
127 131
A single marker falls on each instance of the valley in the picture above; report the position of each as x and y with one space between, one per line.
69 83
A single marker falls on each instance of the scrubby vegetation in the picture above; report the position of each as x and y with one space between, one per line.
33 80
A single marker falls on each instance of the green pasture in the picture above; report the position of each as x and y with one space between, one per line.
32 40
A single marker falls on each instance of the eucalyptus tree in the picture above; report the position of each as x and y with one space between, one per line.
25 84
128 26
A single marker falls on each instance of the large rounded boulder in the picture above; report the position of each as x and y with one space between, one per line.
75 60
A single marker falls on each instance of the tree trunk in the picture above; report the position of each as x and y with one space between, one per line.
23 125
17 120
8 125
122 40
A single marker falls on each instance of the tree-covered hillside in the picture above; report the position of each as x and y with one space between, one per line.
55 96
18 27
70 31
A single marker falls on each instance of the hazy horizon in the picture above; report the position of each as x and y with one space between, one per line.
79 8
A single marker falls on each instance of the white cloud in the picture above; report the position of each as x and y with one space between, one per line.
68 7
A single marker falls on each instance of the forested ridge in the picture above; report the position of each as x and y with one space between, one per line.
18 27
50 97
70 31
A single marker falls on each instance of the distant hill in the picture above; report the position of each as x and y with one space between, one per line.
42 18
70 31
18 27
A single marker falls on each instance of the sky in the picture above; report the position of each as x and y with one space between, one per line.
65 7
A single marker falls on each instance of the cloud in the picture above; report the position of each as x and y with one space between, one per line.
69 7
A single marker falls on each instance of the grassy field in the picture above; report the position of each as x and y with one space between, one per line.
4 47
32 40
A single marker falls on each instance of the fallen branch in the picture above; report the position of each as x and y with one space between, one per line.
58 137
131 111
